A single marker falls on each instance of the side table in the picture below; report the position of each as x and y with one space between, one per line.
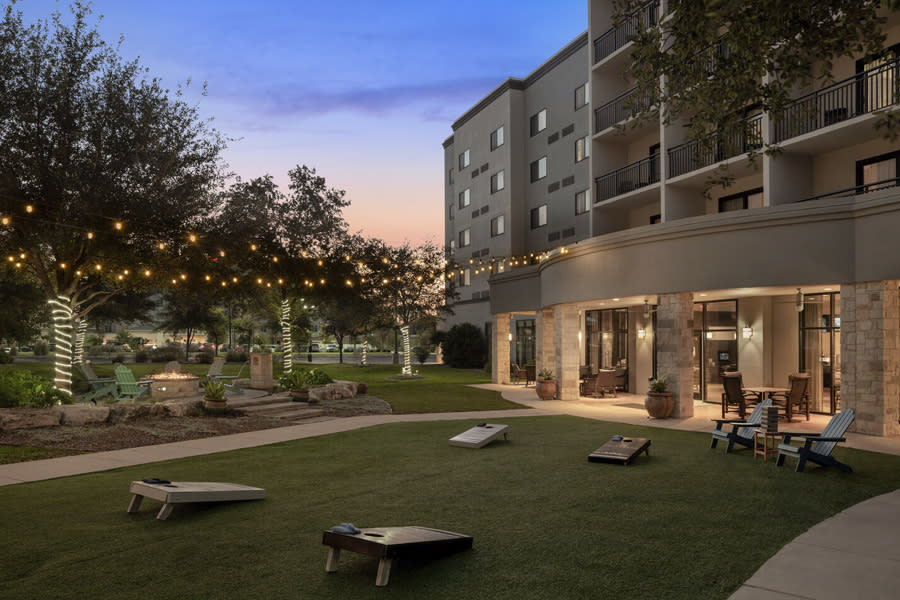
761 444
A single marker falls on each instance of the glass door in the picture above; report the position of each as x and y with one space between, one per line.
525 342
607 342
820 348
714 347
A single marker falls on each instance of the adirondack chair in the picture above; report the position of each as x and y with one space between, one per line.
231 387
127 387
99 386
818 446
741 430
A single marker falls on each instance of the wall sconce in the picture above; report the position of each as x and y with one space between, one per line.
509 336
642 333
709 335
798 303
579 337
747 332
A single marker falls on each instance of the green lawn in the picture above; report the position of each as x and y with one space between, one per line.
546 522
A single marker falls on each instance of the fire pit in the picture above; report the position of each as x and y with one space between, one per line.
173 385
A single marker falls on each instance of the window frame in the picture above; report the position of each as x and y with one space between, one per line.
495 134
586 92
861 164
467 234
535 169
467 193
534 122
498 177
542 215
587 202
465 154
498 226
745 196
586 149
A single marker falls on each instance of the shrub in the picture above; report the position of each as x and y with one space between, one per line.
40 348
141 356
5 357
464 347
362 388
317 377
119 358
205 357
232 356
421 354
22 388
295 380
166 354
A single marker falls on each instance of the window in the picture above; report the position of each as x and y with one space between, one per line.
497 138
464 238
450 212
748 199
582 96
582 149
877 170
498 226
654 219
466 278
582 202
464 160
539 169
539 216
450 177
497 182
465 198
452 247
539 122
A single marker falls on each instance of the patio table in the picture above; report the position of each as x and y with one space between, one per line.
767 391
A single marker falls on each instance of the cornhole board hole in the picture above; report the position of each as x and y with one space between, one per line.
389 543
182 492
620 452
480 435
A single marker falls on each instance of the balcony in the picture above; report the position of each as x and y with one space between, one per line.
625 106
860 94
617 37
631 177
697 154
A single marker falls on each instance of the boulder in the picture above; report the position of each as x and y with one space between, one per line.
82 414
181 408
28 418
333 391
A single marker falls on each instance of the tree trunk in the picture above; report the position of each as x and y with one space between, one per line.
407 366
288 356
80 331
61 308
187 343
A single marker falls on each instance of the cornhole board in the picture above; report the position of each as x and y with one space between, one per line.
620 452
388 543
182 492
480 435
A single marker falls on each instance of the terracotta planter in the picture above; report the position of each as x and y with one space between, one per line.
300 395
214 407
546 389
659 405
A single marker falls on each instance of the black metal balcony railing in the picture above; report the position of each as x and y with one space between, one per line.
857 95
616 37
856 190
697 154
630 177
707 60
622 107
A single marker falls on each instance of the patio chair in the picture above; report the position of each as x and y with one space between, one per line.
520 374
818 446
530 374
796 396
127 387
231 387
99 386
742 430
606 381
734 394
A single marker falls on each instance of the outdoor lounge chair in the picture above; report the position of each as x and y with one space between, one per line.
818 446
742 431
99 386
734 394
127 387
520 374
530 374
796 396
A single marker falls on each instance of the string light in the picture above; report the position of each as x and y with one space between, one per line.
4 220
29 208
118 226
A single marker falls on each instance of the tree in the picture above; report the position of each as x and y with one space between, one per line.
188 311
24 307
771 47
102 170
464 346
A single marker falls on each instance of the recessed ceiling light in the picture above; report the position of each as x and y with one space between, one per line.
827 289
704 295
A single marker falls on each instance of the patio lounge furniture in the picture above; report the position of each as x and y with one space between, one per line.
818 446
171 493
126 385
606 381
520 374
99 386
480 436
742 430
796 396
734 394
530 374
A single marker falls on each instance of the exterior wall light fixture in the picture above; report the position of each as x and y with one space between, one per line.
748 333
642 333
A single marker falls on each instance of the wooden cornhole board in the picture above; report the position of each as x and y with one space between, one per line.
480 435
182 492
620 452
388 543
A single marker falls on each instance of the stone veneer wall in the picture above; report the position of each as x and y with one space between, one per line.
870 332
544 344
500 349
567 351
674 331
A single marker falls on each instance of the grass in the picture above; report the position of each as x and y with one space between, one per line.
14 454
546 522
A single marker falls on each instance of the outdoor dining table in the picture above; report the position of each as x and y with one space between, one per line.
764 391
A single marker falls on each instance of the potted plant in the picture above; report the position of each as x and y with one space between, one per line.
546 385
214 396
295 381
659 402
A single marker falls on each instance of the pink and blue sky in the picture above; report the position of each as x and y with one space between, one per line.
365 92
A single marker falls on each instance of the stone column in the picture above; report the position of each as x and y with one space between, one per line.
568 356
675 330
500 348
870 327
545 352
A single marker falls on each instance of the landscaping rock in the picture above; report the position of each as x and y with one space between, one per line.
28 418
181 408
119 413
332 391
82 414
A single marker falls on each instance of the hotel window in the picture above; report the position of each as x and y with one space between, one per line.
748 199
497 182
582 202
539 169
539 216
582 96
498 227
450 212
539 122
497 138
450 176
877 172
466 278
465 198
464 160
464 238
582 149
452 247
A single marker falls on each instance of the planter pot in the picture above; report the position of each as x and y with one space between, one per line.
659 405
300 395
546 389
214 407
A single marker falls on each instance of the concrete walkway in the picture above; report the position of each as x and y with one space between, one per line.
854 554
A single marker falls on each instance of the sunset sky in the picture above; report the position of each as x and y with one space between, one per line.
364 92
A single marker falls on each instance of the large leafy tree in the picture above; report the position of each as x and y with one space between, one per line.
708 60
103 170
24 307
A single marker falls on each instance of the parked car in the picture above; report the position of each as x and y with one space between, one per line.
331 348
